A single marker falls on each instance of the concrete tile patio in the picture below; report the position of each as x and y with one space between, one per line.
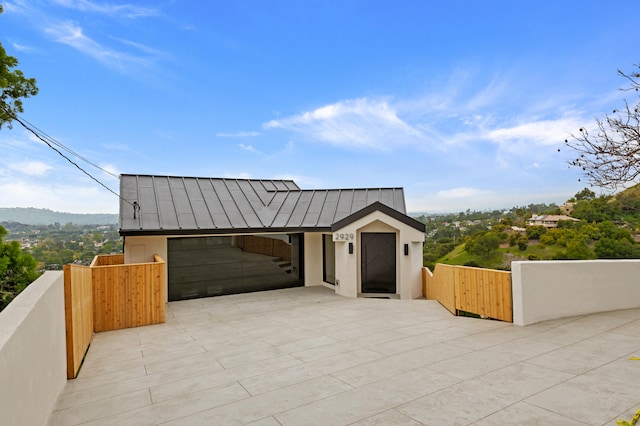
305 356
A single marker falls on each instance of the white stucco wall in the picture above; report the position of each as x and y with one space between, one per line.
408 269
138 249
312 259
33 361
141 249
544 290
347 266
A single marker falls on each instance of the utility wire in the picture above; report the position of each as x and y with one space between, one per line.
49 141
65 148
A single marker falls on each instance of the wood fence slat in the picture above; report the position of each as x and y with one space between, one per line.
129 295
484 292
78 315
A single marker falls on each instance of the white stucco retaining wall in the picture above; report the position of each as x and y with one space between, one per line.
544 290
33 362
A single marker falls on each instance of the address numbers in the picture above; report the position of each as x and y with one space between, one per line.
343 236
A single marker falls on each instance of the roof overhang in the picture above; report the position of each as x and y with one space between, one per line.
377 206
219 231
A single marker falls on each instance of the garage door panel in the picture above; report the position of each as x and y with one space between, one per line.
211 266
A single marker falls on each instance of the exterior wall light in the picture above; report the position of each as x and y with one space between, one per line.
406 249
350 248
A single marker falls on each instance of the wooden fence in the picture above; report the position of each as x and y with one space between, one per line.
263 245
110 297
485 292
78 308
108 260
128 295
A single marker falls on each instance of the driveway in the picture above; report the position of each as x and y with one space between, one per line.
304 356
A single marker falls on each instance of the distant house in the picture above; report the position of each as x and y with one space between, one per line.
223 236
549 221
567 208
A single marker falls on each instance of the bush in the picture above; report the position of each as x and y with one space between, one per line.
484 244
523 242
17 270
534 232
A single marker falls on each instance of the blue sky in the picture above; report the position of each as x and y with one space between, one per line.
462 103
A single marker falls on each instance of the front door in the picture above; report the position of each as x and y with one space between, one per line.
378 262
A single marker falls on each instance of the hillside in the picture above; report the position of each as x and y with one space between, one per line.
33 216
608 227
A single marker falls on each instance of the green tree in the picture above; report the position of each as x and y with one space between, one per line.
483 244
610 230
14 86
597 210
548 239
506 221
585 194
523 242
577 248
534 232
17 270
610 248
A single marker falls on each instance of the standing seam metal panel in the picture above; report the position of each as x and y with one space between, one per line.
193 212
204 201
314 210
173 203
278 218
155 192
252 204
224 211
233 201
243 200
329 208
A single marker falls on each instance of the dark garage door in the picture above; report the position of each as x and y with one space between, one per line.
213 266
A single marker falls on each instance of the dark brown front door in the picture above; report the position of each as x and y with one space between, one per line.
378 262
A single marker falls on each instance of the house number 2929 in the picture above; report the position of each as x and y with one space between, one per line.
340 236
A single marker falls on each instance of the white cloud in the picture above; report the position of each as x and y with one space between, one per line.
23 48
354 123
248 148
460 199
238 135
111 169
139 46
541 132
461 193
241 175
451 200
72 35
31 168
127 10
74 198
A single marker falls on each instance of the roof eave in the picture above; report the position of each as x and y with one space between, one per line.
220 231
383 208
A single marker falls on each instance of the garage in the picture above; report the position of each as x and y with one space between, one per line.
220 236
219 265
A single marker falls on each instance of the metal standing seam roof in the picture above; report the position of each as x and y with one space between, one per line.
194 205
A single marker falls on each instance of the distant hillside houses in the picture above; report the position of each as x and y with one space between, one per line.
567 208
549 221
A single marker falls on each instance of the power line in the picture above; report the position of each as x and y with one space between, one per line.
49 141
63 147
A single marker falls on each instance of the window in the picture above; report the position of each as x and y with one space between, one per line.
328 259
